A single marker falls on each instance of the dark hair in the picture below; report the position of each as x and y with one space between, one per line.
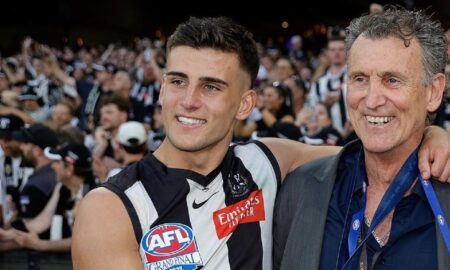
285 92
136 149
406 25
219 33
122 103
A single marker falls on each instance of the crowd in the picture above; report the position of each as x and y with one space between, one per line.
70 120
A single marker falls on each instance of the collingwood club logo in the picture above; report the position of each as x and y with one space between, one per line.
238 184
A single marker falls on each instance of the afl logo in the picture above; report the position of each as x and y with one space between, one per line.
168 239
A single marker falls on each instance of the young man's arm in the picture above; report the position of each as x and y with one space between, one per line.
434 154
103 236
290 154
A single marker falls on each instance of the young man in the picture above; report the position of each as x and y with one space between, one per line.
196 201
368 208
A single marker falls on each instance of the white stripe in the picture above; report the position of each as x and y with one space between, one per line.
256 161
214 252
144 207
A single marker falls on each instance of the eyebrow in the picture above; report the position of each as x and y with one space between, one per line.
204 79
380 75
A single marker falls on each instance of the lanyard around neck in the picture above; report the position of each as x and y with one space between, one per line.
402 182
399 186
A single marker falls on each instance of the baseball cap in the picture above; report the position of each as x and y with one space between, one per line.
131 134
76 154
37 134
8 124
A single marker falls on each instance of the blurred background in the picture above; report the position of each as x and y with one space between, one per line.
83 22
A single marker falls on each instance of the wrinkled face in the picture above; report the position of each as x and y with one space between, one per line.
271 99
336 52
387 99
61 115
203 93
111 117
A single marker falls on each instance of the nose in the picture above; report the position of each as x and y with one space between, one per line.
375 96
191 99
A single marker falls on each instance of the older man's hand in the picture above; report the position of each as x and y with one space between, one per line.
434 155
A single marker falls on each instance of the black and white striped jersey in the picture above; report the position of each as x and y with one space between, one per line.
184 220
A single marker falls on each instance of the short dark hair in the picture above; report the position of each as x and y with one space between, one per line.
220 33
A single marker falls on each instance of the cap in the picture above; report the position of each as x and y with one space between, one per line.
29 93
76 154
108 67
37 134
131 134
8 124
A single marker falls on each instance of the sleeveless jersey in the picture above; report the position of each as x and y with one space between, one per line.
184 220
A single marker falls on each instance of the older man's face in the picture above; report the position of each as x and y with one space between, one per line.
387 99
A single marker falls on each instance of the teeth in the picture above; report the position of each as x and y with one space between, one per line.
190 121
378 120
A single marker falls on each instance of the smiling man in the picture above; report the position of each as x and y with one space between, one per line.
368 208
196 202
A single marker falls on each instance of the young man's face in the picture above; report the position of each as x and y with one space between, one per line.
387 97
203 94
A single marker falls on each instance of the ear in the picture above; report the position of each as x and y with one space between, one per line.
434 96
248 101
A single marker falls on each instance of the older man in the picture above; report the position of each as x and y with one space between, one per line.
368 208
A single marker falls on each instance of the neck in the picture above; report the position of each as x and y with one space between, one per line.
381 168
130 158
202 161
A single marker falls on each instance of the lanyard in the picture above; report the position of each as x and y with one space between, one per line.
437 211
399 186
401 183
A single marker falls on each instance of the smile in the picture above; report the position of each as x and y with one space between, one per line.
190 121
378 120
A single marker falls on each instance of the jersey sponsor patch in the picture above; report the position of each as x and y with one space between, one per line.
249 210
171 246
